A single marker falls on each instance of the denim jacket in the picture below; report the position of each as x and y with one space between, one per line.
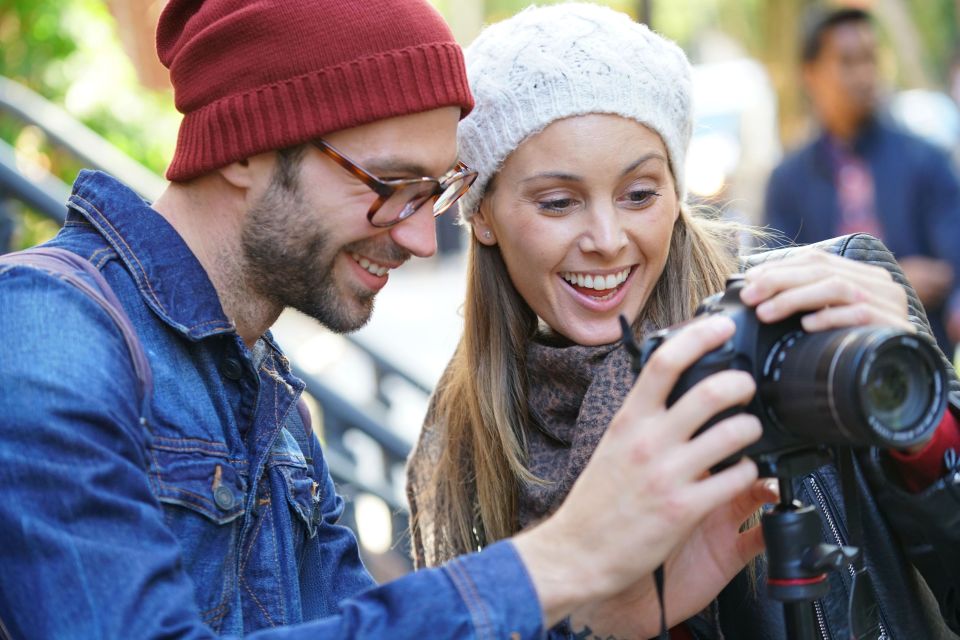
209 512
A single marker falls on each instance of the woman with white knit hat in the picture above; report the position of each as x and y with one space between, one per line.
578 216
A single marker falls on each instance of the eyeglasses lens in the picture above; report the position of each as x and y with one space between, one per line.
404 202
454 189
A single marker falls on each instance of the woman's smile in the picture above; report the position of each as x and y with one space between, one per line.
598 290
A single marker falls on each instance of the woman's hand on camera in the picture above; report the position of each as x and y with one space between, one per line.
647 486
833 292
695 572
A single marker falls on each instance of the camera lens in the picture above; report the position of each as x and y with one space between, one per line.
893 394
903 386
864 386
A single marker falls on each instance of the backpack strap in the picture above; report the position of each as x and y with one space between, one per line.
71 268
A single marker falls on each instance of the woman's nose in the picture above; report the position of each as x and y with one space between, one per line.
604 233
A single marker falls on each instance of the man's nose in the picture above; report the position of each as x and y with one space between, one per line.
418 233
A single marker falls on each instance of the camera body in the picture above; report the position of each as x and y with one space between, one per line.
857 386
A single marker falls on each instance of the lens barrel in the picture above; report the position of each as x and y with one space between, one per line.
864 386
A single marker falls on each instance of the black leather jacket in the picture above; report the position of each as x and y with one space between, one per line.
911 542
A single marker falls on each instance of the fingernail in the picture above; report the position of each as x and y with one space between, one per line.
809 323
721 324
749 294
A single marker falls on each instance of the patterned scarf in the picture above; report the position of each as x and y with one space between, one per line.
574 392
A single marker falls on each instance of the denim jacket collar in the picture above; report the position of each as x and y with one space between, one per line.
169 277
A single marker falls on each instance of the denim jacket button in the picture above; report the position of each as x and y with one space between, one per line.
231 368
223 496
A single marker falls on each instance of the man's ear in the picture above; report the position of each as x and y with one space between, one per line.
481 226
239 174
245 173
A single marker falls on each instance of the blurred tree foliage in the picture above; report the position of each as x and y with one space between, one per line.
68 52
938 23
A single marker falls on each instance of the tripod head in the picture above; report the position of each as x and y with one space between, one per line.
798 559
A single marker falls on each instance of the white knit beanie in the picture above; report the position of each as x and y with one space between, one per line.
549 63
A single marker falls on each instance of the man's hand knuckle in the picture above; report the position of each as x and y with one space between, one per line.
643 451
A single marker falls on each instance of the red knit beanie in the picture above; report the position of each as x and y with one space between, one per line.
255 75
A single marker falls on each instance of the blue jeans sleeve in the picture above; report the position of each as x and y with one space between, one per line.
485 595
84 548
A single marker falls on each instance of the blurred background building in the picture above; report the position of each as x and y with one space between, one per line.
80 84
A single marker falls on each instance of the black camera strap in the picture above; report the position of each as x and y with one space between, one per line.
658 579
862 611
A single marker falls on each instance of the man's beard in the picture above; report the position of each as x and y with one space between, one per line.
289 261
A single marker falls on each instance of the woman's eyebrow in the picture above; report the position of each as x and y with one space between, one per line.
555 175
570 177
642 160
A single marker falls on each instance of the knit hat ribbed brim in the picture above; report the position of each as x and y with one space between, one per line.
253 76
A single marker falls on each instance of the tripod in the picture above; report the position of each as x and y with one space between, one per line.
798 559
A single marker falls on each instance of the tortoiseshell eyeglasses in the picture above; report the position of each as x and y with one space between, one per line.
399 199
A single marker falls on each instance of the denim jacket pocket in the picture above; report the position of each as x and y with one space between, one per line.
207 484
203 494
303 494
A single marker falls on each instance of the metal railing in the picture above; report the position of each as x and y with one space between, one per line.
340 422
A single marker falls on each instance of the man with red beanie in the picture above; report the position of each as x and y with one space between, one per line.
158 473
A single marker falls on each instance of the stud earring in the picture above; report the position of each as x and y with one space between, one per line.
487 235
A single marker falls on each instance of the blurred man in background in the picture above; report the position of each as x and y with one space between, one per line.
861 174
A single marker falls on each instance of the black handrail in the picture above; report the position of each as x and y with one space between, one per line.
83 143
44 193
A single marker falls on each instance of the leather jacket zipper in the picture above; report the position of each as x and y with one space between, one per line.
838 539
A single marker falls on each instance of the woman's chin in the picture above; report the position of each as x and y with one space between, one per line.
592 335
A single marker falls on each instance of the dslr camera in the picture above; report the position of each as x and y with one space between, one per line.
854 387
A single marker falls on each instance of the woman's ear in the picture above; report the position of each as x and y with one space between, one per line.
481 226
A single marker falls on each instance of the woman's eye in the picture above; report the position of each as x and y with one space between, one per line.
556 205
640 197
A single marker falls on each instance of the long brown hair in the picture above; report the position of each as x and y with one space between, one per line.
468 496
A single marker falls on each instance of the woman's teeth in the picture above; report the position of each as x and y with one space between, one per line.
596 282
372 267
